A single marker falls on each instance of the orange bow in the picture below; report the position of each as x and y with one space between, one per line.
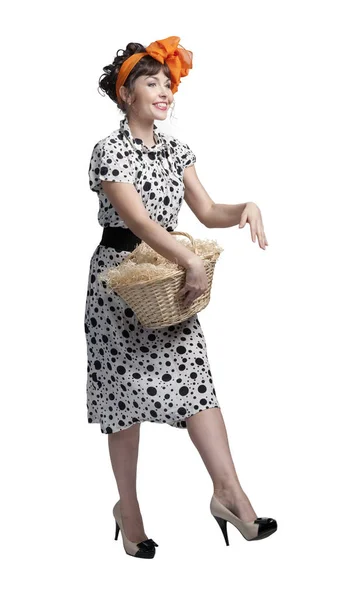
167 51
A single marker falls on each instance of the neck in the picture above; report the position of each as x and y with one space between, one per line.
142 129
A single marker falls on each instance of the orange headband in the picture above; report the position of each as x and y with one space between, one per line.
177 59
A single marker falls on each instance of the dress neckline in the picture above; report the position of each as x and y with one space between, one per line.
138 143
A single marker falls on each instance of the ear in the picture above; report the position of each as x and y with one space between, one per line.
123 93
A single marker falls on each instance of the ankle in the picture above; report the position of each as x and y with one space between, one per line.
129 505
230 490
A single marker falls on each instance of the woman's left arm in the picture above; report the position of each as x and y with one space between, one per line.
214 215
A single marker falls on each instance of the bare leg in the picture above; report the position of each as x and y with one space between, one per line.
207 431
123 450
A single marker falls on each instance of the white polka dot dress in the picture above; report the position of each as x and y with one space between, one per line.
137 374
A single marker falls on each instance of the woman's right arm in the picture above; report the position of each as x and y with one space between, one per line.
128 204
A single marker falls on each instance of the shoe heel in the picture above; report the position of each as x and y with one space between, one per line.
223 526
117 530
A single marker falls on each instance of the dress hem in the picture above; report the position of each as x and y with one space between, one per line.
177 424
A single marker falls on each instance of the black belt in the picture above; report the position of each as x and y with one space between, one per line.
121 238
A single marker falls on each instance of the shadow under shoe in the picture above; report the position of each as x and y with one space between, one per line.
144 549
258 529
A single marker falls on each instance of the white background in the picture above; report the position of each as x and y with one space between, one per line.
259 111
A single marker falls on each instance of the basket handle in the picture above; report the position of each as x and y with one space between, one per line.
194 246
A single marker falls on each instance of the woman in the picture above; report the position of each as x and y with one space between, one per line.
135 374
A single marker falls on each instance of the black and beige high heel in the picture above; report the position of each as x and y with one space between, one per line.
262 527
144 549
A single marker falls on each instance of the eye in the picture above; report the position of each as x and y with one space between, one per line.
167 85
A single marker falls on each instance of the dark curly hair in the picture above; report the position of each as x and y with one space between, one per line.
145 66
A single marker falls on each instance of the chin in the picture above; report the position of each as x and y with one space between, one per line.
158 114
160 117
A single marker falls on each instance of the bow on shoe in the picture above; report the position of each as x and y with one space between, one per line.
147 545
267 526
264 520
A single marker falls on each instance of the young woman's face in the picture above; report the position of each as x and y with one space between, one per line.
149 92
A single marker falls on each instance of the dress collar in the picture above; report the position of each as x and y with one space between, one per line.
138 144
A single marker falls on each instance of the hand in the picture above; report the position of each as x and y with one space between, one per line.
196 282
252 215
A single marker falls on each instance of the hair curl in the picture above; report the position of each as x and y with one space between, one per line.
147 65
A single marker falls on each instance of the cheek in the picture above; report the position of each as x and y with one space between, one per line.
148 94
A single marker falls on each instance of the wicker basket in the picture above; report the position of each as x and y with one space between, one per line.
156 303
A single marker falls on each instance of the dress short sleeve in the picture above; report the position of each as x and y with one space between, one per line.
108 163
187 155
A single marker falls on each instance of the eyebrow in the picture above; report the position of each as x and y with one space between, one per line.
154 77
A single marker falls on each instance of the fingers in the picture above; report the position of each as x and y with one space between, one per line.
260 238
189 298
185 301
257 230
